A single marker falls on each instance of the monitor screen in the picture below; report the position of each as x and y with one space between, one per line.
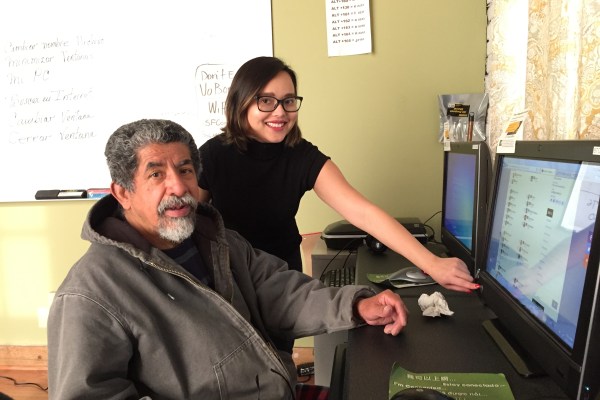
467 170
460 199
541 265
541 235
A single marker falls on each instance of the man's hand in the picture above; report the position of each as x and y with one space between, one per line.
385 308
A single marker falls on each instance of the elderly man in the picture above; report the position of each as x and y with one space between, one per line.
168 304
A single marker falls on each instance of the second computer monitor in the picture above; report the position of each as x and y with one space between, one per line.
540 272
467 176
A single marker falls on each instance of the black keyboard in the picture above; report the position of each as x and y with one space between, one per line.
339 277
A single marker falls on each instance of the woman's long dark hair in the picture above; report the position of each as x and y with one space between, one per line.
248 81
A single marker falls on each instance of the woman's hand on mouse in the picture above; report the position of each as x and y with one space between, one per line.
453 274
385 308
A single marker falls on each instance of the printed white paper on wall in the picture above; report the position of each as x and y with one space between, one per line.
348 27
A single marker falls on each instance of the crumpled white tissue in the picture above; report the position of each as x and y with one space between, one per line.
434 305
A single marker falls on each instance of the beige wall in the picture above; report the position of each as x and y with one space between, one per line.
376 115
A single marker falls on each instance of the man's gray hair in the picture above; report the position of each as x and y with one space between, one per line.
123 145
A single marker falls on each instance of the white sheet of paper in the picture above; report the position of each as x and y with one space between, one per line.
348 27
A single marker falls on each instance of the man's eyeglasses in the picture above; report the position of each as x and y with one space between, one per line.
270 103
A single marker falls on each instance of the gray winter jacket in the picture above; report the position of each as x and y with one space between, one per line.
130 323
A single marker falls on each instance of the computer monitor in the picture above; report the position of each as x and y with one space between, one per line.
467 176
540 275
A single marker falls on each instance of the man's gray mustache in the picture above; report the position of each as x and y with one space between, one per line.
174 201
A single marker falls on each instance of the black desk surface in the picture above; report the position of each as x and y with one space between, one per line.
456 343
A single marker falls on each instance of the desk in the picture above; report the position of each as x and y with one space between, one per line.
446 344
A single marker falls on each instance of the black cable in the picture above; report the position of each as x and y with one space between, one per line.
434 214
350 252
432 236
337 254
16 383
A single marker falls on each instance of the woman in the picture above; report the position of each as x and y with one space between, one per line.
259 167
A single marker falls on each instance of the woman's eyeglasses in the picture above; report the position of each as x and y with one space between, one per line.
270 103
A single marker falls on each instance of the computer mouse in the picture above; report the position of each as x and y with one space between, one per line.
375 245
420 394
410 274
416 274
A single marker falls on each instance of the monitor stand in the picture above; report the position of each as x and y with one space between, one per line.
515 354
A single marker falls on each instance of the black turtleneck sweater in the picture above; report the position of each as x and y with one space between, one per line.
258 192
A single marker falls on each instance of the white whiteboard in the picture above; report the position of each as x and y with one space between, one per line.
73 71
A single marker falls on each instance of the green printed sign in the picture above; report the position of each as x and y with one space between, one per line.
460 386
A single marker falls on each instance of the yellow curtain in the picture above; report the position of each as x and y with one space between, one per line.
543 56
